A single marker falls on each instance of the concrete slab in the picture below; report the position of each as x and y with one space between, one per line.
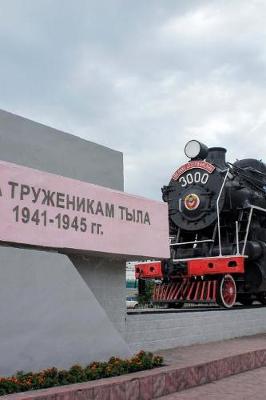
59 323
155 331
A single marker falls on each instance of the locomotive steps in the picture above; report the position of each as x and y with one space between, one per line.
186 367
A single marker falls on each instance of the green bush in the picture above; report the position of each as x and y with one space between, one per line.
22 382
146 297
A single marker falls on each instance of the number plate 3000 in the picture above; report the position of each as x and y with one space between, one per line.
194 177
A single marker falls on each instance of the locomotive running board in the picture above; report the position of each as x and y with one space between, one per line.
214 265
205 266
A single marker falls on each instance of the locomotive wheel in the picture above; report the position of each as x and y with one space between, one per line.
245 299
226 291
262 298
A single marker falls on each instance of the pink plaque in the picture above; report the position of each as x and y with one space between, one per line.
51 211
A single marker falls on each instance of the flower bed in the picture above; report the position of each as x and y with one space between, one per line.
22 382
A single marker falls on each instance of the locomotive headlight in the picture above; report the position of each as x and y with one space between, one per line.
196 150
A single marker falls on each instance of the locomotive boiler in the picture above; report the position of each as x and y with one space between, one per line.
217 222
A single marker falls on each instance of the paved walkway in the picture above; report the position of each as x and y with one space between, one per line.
202 353
244 386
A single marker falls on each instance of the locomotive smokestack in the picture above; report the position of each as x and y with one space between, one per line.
216 155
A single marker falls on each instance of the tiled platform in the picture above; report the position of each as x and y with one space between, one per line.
246 386
186 367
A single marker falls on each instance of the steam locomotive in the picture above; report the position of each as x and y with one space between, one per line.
217 220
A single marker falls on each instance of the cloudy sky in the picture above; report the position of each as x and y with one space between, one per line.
140 76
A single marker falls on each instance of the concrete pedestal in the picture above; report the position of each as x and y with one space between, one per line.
51 315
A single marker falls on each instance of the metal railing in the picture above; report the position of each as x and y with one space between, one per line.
252 208
193 242
218 213
237 240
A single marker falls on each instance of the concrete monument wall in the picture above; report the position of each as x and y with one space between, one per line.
154 331
48 315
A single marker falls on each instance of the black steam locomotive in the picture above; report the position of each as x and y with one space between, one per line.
217 219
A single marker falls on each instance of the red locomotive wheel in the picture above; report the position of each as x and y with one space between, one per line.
226 291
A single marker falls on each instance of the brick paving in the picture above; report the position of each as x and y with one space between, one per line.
244 386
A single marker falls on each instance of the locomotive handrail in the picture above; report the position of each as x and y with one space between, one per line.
237 240
258 208
252 207
193 242
218 213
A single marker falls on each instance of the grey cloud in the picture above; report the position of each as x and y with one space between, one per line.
142 77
